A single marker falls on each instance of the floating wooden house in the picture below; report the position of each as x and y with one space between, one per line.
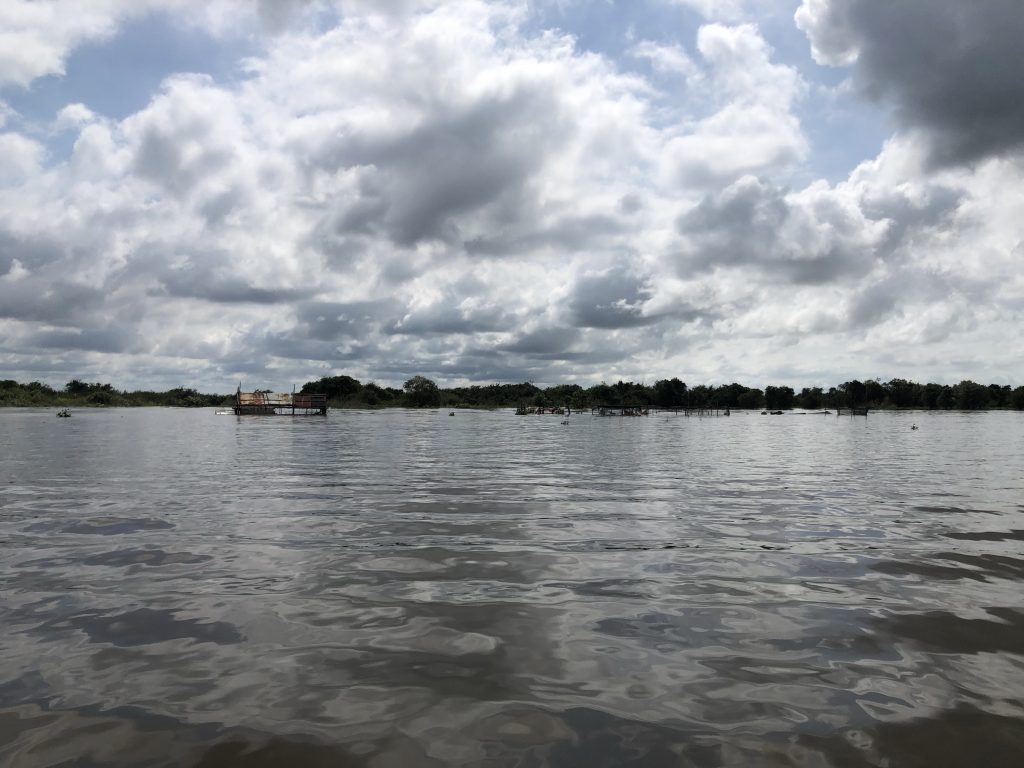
266 403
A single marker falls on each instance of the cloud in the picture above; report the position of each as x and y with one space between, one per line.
754 129
20 157
186 135
728 10
385 189
36 37
811 237
463 307
546 342
948 69
92 340
614 298
666 58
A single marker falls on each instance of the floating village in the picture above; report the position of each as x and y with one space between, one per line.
267 403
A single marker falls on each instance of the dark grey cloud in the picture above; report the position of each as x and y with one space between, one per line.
630 203
932 211
572 234
342 321
290 347
454 162
618 299
225 289
612 299
443 317
49 299
203 273
160 156
544 343
752 224
903 290
114 339
30 252
733 227
218 206
874 303
951 68
266 342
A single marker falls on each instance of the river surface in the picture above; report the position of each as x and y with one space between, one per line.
398 589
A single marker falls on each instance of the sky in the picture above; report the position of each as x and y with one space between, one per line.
775 192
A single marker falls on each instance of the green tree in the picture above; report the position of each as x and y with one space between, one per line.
728 395
669 393
566 394
779 398
1017 399
901 393
931 395
998 397
874 392
833 398
421 392
810 398
970 396
601 394
752 398
373 394
855 393
946 399
76 387
335 387
700 397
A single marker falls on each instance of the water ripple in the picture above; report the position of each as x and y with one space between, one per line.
404 589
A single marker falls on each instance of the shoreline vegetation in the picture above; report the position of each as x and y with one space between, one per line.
421 392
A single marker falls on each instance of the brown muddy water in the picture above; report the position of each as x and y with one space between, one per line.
403 589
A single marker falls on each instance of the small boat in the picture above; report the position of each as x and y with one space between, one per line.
64 413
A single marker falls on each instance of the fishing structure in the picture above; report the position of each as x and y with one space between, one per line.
267 403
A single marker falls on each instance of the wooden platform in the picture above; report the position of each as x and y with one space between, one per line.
261 403
620 410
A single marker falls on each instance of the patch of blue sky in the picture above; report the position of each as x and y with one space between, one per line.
842 129
612 27
118 76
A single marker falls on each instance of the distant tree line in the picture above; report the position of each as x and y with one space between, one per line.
420 392
80 393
